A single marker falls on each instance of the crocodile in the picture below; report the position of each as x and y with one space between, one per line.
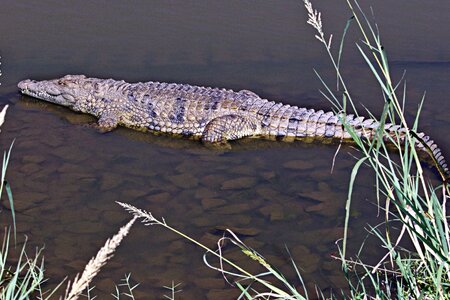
212 115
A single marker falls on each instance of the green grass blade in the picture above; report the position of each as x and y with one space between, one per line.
375 73
11 204
330 93
341 48
244 291
348 202
297 271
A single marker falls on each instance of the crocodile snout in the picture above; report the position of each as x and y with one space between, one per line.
23 85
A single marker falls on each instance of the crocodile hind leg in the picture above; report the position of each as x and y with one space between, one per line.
107 121
229 127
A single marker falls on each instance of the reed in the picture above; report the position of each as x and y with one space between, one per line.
410 199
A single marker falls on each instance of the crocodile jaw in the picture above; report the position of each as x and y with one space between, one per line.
47 90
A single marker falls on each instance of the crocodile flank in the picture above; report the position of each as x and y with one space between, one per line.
210 114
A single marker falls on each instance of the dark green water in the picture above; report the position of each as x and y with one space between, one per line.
66 176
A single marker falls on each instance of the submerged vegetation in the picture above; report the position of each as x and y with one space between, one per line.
409 201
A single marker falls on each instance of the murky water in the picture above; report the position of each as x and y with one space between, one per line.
66 176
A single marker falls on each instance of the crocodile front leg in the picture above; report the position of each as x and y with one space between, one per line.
229 127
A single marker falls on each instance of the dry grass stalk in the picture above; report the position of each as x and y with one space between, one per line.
315 20
94 265
149 219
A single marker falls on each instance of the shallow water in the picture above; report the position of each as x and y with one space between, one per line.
66 176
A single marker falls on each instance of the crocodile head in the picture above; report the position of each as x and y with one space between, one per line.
66 91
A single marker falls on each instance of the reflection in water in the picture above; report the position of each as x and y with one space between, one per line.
66 176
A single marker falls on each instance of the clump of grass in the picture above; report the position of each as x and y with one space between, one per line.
23 278
410 199
4 184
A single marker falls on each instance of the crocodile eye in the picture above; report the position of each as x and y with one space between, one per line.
62 82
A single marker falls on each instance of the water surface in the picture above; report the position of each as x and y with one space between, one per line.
66 176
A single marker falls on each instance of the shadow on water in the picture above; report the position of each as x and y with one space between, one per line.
66 176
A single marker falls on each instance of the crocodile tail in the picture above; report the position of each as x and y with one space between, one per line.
291 122
367 128
304 122
425 143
